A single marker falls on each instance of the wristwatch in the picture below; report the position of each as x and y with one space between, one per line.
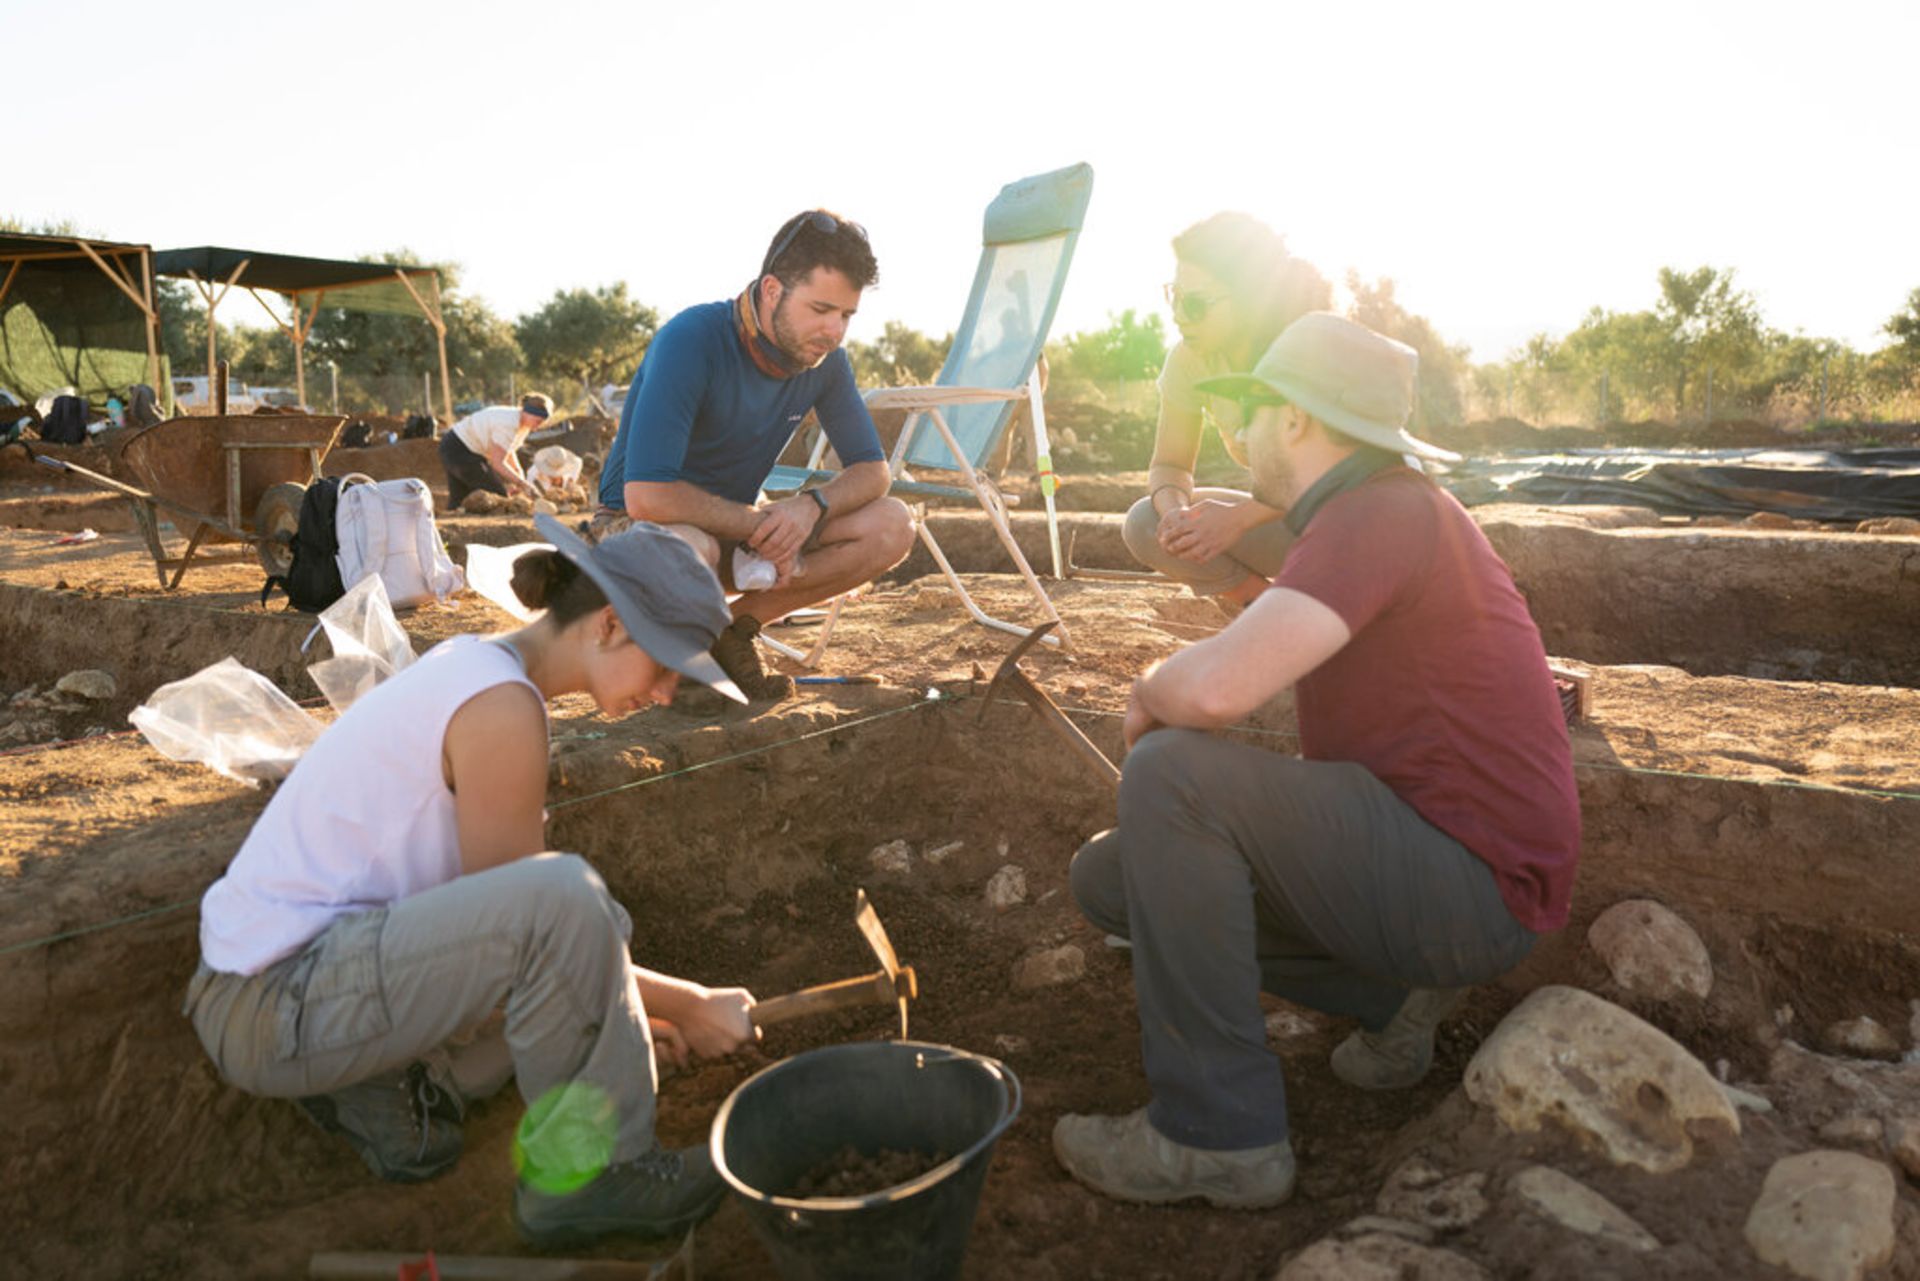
818 497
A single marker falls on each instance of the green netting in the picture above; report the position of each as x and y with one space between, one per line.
64 324
352 286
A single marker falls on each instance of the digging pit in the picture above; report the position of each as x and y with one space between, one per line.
1780 819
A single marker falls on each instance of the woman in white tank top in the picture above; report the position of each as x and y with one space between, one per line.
392 939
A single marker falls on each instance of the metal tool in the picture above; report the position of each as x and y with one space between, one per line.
894 984
836 680
1109 575
1011 679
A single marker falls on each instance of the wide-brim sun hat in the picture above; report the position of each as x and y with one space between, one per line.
1356 381
662 592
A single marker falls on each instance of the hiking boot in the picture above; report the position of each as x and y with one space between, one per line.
660 1194
1126 1158
406 1128
1400 1054
739 658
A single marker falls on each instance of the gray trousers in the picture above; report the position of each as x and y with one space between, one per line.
539 937
1236 870
1260 551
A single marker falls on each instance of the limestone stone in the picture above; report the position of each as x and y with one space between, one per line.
89 682
1651 952
1049 968
1368 1223
895 858
1853 1129
1903 1141
1286 1023
1769 520
1746 1098
1624 1087
1418 1192
544 508
1823 1215
1379 1256
1011 1044
1862 1036
1889 525
1007 888
939 854
1572 1204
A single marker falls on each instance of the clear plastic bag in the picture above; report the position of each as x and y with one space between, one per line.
490 574
230 718
369 644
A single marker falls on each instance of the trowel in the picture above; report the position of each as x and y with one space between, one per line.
893 984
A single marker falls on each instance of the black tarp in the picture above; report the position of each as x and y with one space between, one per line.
1830 485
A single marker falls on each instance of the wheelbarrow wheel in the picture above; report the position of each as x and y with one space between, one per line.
274 523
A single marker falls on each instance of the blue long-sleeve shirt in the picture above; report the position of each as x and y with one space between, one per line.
699 411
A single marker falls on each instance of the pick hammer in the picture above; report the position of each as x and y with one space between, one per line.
893 984
1012 680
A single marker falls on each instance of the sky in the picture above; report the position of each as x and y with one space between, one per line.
1508 166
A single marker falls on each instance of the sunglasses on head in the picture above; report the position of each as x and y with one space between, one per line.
1192 308
821 221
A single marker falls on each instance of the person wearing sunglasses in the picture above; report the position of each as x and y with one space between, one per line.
722 388
1234 288
1425 836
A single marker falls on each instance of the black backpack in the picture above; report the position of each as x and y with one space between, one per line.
419 427
66 422
313 581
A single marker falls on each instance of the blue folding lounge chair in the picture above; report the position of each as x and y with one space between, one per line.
1031 229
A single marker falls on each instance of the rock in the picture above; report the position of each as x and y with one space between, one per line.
1379 1256
481 502
14 732
1864 1130
1746 1098
931 598
941 853
544 508
1572 1204
1827 1216
1863 1037
1768 520
88 682
1007 888
1903 1141
1049 968
1622 1086
1889 525
1417 1192
895 858
1009 1045
519 505
1651 952
1368 1223
1287 1023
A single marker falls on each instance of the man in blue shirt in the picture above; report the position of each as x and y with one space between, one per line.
722 388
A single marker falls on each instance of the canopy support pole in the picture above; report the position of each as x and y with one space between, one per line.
122 277
213 303
432 313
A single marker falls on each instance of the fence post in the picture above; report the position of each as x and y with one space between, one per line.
426 385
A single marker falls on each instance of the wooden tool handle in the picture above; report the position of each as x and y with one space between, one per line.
868 989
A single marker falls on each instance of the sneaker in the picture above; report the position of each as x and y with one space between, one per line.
660 1194
1126 1158
739 658
404 1126
1400 1054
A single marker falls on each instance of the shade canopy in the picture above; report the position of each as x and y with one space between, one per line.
309 284
76 311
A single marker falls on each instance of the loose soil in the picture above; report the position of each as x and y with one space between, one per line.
853 1173
1780 818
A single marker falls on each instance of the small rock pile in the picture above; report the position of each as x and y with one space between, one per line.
70 708
557 502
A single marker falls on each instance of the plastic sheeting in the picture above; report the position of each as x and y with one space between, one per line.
1836 485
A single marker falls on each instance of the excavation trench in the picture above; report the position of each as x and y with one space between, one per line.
737 846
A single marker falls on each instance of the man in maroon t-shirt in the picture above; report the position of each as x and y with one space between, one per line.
1424 838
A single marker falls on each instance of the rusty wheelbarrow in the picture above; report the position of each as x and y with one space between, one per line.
234 479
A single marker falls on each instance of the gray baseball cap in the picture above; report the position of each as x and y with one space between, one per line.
1352 379
662 592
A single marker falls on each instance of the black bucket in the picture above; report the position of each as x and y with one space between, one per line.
874 1096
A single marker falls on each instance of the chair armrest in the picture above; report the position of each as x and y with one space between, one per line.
928 397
